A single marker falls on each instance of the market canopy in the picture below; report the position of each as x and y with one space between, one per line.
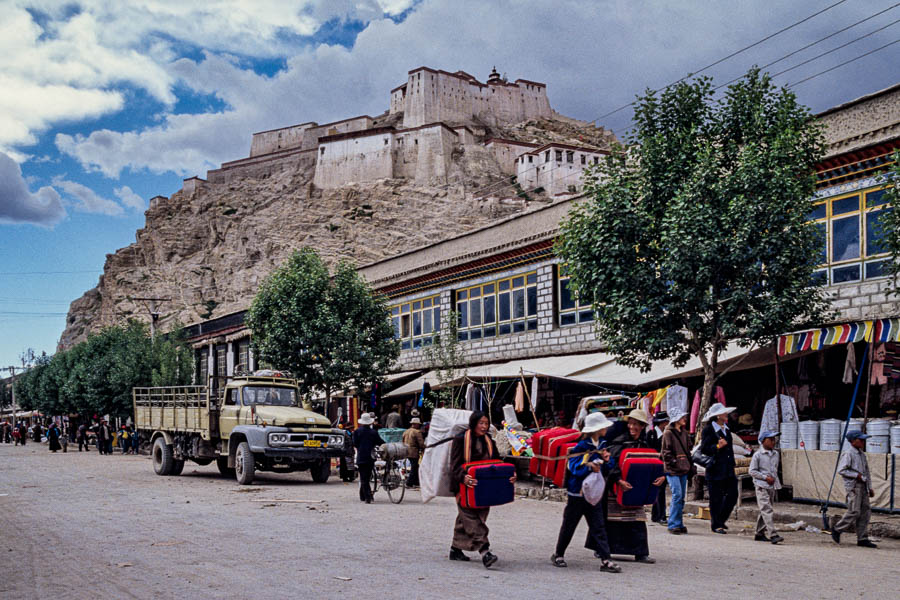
879 330
414 386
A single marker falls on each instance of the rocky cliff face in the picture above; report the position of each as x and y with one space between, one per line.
208 249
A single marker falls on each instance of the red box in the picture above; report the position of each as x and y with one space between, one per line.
559 474
556 447
494 487
538 446
640 467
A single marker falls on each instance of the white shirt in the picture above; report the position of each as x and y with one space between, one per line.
718 428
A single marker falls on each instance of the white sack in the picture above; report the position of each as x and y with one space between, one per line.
434 472
593 487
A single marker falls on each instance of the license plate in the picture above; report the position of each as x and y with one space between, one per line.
312 444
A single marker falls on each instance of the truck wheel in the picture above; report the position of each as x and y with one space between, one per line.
321 471
244 464
177 467
162 457
224 469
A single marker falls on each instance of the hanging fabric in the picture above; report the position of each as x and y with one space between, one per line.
519 403
770 413
677 398
878 360
470 396
534 392
850 364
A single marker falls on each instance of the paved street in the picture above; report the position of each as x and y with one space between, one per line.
88 526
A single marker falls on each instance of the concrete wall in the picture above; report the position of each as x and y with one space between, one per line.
555 174
263 166
274 140
862 122
354 159
507 151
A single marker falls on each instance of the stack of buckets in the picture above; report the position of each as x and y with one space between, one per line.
895 439
879 431
809 435
830 431
789 435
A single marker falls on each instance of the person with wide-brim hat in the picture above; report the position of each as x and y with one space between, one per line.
675 452
365 440
626 527
589 457
415 445
715 442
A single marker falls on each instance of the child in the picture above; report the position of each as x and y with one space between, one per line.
578 468
764 471
854 468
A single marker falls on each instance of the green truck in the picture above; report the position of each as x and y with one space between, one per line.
245 425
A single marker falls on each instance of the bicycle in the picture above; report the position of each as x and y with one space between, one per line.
390 475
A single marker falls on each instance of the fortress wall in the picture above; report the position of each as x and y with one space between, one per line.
398 100
434 151
263 166
354 159
312 135
506 152
266 142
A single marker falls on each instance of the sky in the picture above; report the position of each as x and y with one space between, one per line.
105 104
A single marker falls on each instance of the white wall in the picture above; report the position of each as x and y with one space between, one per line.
362 158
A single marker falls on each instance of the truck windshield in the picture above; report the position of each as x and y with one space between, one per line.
276 396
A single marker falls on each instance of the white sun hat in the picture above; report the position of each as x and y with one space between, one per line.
595 422
718 409
366 419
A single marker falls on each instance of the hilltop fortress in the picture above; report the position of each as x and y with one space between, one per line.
431 115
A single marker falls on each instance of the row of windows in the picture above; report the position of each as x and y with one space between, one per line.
498 308
571 309
416 322
851 242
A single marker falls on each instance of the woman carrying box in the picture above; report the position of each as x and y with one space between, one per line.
578 469
471 531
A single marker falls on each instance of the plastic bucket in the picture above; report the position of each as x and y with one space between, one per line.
878 444
895 439
789 439
855 425
878 428
830 434
809 435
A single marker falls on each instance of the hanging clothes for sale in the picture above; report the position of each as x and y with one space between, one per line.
770 413
519 403
892 360
534 393
677 399
878 361
850 364
718 396
471 393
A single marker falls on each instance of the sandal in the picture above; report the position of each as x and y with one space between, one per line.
608 566
558 561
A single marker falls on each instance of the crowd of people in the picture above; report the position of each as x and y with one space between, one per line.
58 435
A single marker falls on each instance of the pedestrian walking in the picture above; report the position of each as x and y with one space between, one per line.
764 471
64 437
590 457
53 434
23 433
626 526
854 470
720 477
654 440
7 432
82 438
125 439
104 438
675 451
365 439
415 444
135 442
37 433
470 531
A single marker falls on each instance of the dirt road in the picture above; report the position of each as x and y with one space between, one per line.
88 526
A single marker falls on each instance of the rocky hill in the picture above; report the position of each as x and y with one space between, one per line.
207 249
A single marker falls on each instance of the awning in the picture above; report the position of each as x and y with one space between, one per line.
414 386
402 374
612 373
879 330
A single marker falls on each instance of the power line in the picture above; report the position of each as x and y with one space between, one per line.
846 62
732 55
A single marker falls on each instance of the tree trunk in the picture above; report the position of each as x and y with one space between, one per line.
709 382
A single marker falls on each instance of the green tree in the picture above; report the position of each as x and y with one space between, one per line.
5 393
444 357
889 222
329 332
696 234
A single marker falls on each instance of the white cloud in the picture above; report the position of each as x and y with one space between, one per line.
87 200
18 205
129 198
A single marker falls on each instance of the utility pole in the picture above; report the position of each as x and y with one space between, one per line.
153 310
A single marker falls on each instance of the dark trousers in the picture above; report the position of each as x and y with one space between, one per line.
658 511
413 473
83 443
365 477
722 499
576 508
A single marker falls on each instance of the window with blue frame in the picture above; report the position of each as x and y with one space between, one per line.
498 308
850 237
416 322
570 309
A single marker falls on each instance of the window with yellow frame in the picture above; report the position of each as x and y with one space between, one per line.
501 307
416 322
852 247
571 309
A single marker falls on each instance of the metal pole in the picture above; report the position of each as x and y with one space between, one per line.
869 383
778 388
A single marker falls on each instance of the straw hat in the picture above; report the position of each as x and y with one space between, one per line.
717 409
595 422
415 421
639 415
366 419
746 419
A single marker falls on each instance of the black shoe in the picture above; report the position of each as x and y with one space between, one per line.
488 559
676 531
761 537
776 539
866 544
682 529
645 559
720 530
558 561
836 536
457 554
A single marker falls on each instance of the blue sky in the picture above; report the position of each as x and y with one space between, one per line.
105 104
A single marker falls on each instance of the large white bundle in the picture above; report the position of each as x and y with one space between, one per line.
434 472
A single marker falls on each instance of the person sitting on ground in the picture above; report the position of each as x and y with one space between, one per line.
764 471
626 526
675 451
853 468
470 531
590 457
415 443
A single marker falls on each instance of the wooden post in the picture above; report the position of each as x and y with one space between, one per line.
778 388
869 382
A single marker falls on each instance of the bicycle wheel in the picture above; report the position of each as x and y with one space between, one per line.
375 479
395 485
